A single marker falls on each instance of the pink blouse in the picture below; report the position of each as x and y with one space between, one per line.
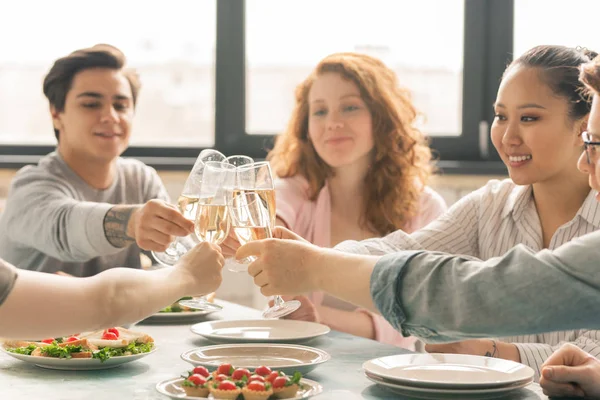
312 220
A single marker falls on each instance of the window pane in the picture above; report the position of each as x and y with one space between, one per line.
555 22
421 40
170 44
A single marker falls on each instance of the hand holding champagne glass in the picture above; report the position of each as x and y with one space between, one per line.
187 204
252 210
212 220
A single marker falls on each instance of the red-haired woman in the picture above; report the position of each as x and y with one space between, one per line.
352 165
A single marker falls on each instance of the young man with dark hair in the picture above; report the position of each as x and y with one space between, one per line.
83 209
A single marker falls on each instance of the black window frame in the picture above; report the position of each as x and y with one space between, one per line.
488 44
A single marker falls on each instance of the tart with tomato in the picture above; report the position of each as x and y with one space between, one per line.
196 385
257 390
226 390
223 369
263 371
285 387
239 373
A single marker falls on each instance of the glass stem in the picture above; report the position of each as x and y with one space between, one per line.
278 302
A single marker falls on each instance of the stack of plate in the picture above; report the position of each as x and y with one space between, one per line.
435 376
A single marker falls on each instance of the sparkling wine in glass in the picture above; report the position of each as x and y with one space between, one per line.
252 210
212 219
188 206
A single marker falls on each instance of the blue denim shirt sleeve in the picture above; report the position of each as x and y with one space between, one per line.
385 279
440 297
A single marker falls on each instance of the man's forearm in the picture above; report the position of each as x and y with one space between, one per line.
111 298
116 225
136 294
446 298
346 276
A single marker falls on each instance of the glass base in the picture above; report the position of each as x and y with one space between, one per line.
278 311
200 303
169 257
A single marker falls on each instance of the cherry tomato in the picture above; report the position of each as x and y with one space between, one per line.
258 386
202 371
272 376
72 339
221 377
197 379
49 340
239 373
225 369
114 330
262 371
257 378
280 382
227 385
109 336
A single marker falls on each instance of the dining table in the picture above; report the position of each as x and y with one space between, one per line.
341 377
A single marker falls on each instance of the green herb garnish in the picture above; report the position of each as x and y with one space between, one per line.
133 348
56 351
23 350
295 379
188 383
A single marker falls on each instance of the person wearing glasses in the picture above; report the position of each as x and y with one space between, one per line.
83 209
540 116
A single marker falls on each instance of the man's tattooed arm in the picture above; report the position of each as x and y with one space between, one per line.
116 222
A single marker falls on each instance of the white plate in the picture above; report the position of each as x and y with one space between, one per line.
259 330
172 317
288 358
77 364
172 388
431 393
454 371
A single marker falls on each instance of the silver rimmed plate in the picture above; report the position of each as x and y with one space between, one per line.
449 371
77 364
259 330
288 358
431 393
172 388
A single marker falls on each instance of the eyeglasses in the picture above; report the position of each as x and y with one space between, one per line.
590 146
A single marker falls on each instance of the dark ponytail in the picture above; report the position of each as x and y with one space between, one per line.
559 67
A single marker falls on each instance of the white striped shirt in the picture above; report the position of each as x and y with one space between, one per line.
485 224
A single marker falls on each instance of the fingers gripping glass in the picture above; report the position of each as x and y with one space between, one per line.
187 204
251 219
212 219
590 146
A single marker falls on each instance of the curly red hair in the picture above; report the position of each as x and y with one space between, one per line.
401 165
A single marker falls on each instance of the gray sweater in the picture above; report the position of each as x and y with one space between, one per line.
54 221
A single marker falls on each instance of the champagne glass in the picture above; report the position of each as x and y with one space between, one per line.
252 210
238 161
188 204
212 220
